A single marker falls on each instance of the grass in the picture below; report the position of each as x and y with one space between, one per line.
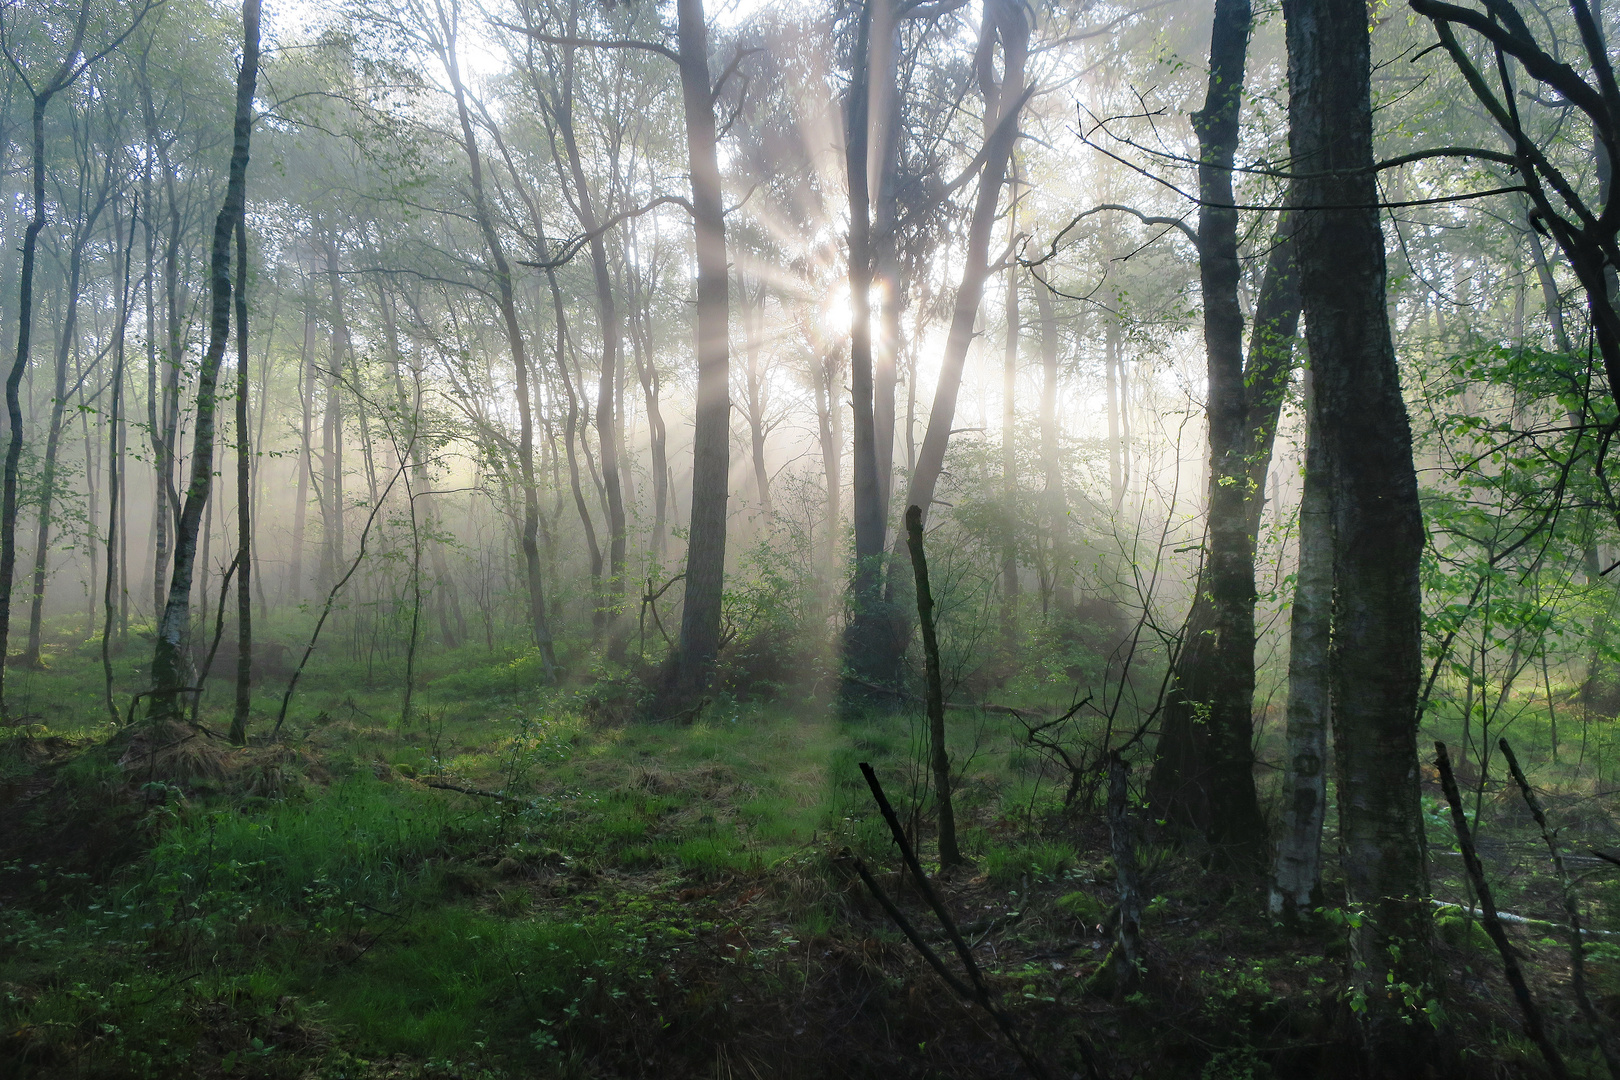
622 898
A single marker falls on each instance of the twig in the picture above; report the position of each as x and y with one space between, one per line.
475 791
1129 937
980 992
1492 924
949 853
1577 958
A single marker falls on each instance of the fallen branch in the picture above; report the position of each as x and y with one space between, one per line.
475 791
979 993
1577 951
1491 919
1520 920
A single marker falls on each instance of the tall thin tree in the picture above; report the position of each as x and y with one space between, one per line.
170 665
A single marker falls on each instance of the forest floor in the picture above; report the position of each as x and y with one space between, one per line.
521 884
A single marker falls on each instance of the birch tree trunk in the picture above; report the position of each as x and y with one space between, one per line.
171 668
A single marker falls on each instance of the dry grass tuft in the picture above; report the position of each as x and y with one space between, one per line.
173 751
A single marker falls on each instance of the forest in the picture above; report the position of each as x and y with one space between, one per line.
831 538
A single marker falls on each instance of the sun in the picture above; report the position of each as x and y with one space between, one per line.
836 314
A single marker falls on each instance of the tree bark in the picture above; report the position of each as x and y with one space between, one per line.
706 544
1376 655
332 498
657 433
570 430
170 664
756 391
1203 777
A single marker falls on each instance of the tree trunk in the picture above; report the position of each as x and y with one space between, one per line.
306 460
1057 503
869 651
501 270
830 435
1003 20
63 76
570 430
706 544
115 474
1009 448
53 433
1297 878
244 501
1203 777
939 757
607 418
754 373
657 435
1113 369
332 502
1376 654
170 664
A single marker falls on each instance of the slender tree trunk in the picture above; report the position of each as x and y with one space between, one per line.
115 477
1112 366
939 756
63 76
825 382
1297 877
753 317
170 665
711 442
332 511
53 432
1009 447
607 419
306 461
501 270
1057 503
1003 19
869 652
244 500
570 430
1376 654
657 434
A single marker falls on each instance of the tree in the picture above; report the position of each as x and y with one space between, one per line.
1203 776
1297 872
1377 525
500 269
171 667
1579 219
72 65
711 442
1004 99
